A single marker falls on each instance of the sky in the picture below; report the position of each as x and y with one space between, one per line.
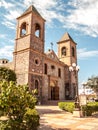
77 17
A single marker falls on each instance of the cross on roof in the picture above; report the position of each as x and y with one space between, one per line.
51 46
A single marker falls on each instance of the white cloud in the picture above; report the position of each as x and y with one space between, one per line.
5 4
6 52
2 36
84 53
44 4
8 24
12 15
11 40
9 19
80 15
12 11
49 9
84 16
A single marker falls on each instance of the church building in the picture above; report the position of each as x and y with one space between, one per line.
47 72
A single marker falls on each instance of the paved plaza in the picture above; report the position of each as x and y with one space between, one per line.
52 118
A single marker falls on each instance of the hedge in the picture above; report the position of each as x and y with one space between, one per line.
87 110
90 108
67 106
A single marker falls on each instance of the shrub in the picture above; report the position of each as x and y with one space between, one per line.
87 109
31 118
11 125
67 106
61 105
90 108
4 125
7 74
14 101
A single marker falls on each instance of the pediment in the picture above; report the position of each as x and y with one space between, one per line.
51 54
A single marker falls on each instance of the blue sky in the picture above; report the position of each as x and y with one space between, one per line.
77 17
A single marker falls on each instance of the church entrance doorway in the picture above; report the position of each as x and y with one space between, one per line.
54 90
55 93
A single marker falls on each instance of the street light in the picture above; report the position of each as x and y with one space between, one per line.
75 68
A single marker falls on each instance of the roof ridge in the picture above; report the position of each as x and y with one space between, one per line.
66 37
31 9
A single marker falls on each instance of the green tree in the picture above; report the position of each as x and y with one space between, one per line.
93 83
15 102
7 74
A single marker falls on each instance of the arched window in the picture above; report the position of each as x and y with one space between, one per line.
52 67
73 51
23 29
36 84
37 30
37 61
45 68
59 72
63 51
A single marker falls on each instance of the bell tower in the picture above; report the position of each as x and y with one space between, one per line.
67 50
29 48
67 54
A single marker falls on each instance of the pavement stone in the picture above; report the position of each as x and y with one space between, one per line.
53 118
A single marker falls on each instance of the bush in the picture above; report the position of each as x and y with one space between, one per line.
7 74
61 105
67 106
4 125
31 118
30 122
11 125
90 108
87 109
14 101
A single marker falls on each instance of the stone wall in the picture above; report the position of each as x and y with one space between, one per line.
21 66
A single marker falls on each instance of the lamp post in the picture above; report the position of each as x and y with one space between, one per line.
75 68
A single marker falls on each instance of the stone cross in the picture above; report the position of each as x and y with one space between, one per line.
51 46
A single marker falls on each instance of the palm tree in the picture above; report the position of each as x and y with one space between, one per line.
93 83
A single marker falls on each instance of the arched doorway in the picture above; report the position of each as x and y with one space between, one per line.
37 87
54 90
